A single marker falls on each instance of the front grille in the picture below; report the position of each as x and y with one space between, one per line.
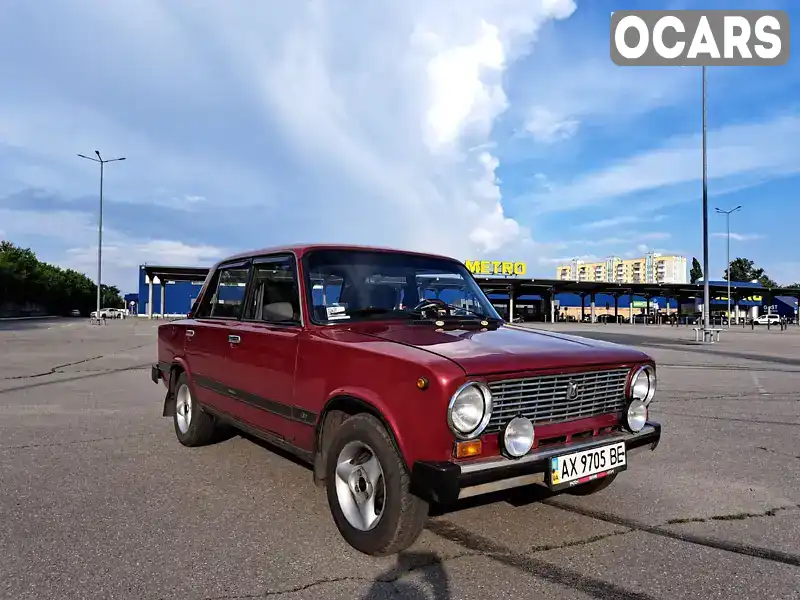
543 399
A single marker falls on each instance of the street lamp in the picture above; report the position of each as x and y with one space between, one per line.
706 291
727 214
102 162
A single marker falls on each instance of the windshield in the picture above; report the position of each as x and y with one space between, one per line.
357 285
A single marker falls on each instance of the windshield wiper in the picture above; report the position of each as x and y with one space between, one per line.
470 313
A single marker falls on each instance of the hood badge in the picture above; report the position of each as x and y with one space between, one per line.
573 390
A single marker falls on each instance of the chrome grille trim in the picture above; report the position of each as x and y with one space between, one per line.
543 398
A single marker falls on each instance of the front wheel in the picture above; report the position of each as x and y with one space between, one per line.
367 486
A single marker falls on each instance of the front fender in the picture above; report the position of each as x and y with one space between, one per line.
378 406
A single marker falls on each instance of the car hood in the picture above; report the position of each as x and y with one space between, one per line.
507 348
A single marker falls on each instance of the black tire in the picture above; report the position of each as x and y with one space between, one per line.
597 485
404 515
201 427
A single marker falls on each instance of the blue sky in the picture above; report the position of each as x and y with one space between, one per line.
496 129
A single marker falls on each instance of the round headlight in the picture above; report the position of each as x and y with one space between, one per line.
470 409
643 384
636 416
517 437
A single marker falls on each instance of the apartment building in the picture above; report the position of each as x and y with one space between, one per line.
651 268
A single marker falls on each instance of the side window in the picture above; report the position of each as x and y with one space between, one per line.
275 296
228 297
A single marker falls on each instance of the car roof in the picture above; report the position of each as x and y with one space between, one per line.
301 249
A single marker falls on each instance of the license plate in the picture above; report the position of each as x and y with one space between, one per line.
574 469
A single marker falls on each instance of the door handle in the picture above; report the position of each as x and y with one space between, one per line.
234 339
190 333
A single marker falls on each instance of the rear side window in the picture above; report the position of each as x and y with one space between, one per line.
225 296
275 295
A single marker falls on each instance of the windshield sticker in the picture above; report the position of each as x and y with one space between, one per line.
334 310
337 317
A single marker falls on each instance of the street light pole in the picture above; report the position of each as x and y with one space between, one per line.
706 292
727 214
102 162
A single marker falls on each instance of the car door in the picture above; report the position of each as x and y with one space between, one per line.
207 335
262 360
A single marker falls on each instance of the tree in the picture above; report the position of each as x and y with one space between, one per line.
744 269
28 285
697 271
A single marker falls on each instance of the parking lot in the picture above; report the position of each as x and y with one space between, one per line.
99 500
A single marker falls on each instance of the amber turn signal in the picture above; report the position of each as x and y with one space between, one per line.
422 383
467 449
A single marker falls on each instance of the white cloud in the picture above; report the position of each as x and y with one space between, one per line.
370 126
752 150
655 235
548 127
570 85
542 180
740 237
125 254
186 202
122 256
61 226
622 220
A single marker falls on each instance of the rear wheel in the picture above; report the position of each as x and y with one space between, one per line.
594 486
193 426
367 486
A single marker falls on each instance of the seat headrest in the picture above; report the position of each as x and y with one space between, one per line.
278 311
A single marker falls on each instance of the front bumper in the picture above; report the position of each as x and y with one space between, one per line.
446 482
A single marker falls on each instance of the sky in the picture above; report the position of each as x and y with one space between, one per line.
480 129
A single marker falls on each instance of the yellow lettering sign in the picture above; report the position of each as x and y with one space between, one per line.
473 266
496 267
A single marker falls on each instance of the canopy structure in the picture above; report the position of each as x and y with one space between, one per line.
156 274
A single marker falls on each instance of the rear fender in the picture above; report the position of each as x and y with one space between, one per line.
179 365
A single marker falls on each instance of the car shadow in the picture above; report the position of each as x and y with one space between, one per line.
517 497
229 432
435 581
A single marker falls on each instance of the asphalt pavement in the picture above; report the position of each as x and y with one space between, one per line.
99 500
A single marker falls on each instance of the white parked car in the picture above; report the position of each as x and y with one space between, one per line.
771 319
109 313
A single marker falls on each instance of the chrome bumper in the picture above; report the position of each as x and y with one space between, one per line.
445 482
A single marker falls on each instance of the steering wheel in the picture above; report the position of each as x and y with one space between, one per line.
431 303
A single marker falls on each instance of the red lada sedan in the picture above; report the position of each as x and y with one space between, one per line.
391 374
